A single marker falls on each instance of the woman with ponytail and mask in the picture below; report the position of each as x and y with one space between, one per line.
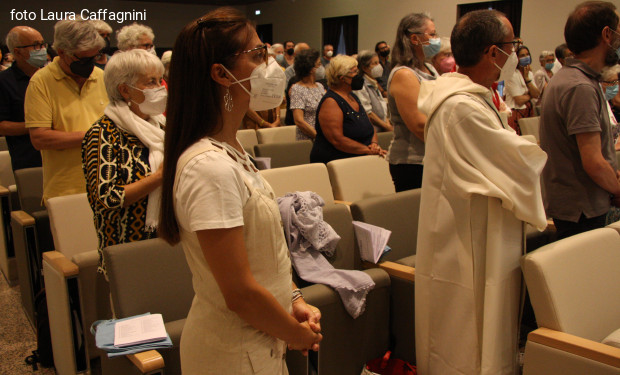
416 41
246 307
122 152
521 90
343 129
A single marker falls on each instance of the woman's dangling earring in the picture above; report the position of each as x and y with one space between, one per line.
228 100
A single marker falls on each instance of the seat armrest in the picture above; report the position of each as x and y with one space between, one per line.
148 361
394 269
578 346
61 263
3 191
346 203
22 218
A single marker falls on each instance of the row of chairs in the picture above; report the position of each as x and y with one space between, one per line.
281 146
67 269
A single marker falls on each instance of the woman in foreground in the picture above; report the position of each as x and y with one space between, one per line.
215 202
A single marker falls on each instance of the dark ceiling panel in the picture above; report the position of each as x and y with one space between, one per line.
208 2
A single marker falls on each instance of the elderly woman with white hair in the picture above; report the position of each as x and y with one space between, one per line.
544 74
136 36
443 61
343 129
123 151
370 95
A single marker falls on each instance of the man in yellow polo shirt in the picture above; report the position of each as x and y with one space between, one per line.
62 101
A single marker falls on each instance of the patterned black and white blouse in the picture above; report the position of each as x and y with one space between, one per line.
111 159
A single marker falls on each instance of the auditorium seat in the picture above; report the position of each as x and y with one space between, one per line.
276 135
285 154
76 294
398 213
247 138
360 177
306 177
574 286
530 126
8 200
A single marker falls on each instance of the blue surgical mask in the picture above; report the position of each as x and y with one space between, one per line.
38 59
525 61
611 92
280 59
549 66
432 48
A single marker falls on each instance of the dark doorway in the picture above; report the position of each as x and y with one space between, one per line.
341 32
511 8
265 33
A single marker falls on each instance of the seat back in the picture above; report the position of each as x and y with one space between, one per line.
574 284
306 177
247 138
384 139
285 154
346 256
149 276
6 171
72 224
29 183
395 212
360 177
276 135
530 126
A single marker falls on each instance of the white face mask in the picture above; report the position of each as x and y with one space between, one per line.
376 71
329 53
319 73
267 84
154 101
152 51
509 67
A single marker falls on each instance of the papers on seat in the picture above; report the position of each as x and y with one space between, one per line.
139 330
263 162
372 240
104 331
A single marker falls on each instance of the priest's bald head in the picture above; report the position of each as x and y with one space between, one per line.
482 43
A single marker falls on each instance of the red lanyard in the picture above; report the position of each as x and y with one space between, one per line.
495 95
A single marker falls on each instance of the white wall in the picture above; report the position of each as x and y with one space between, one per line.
542 25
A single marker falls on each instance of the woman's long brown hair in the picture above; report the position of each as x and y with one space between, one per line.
193 109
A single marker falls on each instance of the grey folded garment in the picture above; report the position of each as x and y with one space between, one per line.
307 236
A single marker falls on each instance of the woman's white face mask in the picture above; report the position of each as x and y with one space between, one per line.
154 100
267 83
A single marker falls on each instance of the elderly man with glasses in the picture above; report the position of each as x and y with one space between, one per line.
481 183
62 101
30 53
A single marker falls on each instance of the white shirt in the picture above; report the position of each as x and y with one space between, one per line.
516 86
211 191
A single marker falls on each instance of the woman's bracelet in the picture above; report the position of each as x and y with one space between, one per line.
528 82
296 295
262 122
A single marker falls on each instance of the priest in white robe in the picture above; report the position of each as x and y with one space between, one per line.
481 184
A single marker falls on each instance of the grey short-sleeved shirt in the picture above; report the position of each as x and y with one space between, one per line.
573 104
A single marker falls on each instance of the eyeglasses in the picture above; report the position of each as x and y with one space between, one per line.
515 44
36 46
262 54
432 35
87 60
611 83
146 46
